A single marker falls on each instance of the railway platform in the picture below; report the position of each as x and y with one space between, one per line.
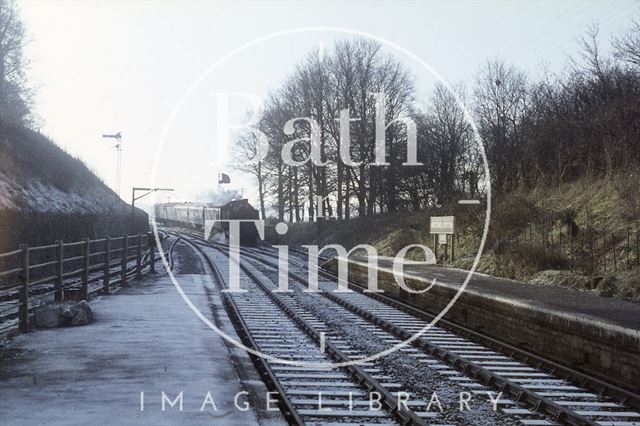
593 334
148 359
145 341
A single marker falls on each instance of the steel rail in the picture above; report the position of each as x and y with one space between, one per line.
577 377
265 371
402 413
479 373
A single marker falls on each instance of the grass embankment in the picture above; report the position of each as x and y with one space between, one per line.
548 236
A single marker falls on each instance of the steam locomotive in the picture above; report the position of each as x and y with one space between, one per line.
194 215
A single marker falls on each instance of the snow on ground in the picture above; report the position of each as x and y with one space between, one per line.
43 197
8 190
145 339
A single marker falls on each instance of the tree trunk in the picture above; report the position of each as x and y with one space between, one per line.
339 187
374 174
362 192
296 193
347 195
280 193
311 200
263 216
291 190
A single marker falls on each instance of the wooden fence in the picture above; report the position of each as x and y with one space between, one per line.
61 271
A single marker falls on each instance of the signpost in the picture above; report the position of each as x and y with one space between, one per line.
442 227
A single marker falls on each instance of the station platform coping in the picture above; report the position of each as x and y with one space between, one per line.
617 314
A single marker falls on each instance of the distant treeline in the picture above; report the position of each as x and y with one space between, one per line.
585 122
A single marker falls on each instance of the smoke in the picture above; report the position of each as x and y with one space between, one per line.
219 198
218 237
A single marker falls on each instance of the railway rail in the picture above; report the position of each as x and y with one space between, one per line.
277 326
538 391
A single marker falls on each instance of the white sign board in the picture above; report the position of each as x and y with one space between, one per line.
442 239
443 225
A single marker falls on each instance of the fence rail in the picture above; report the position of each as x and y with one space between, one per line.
30 276
588 249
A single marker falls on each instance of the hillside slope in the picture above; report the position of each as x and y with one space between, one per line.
583 235
45 194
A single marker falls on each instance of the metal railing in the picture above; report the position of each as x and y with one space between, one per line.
32 276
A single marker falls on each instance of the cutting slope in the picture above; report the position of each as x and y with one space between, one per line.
45 194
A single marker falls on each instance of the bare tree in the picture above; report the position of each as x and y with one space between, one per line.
451 138
500 106
14 94
248 160
627 45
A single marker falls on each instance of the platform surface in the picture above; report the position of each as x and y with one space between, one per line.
144 339
564 301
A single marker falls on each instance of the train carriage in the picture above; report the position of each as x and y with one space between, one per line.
194 215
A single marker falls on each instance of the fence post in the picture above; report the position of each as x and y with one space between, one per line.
59 295
23 312
85 269
453 249
435 246
106 279
139 258
123 266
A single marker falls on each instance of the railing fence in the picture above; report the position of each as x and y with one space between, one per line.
62 271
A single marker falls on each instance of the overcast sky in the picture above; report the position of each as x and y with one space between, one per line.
108 66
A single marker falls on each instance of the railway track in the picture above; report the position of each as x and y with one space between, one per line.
296 369
533 395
